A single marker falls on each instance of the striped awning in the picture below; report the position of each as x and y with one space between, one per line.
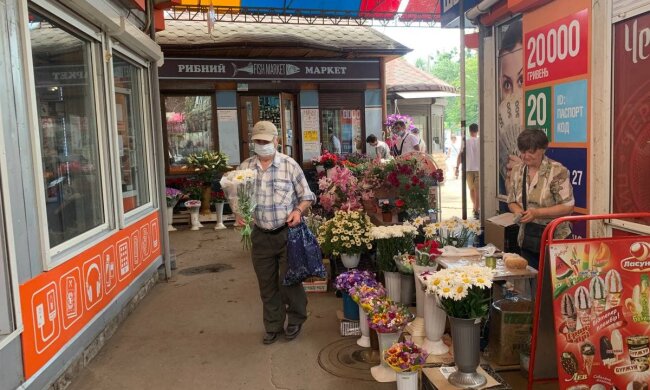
411 10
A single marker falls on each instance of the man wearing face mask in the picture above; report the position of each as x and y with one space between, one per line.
406 142
282 197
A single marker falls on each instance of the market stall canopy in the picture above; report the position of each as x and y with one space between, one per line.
246 40
405 10
409 82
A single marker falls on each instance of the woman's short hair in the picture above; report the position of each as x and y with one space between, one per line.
532 139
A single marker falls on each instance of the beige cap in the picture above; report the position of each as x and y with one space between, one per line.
264 130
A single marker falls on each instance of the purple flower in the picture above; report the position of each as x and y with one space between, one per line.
350 279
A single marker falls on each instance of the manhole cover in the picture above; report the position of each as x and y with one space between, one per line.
345 359
205 269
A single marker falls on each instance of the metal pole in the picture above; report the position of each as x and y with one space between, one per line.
159 150
462 107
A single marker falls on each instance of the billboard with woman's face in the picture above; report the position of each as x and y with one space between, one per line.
510 95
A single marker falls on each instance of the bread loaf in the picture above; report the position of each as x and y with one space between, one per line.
514 261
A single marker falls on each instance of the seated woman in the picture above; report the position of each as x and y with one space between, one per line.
539 190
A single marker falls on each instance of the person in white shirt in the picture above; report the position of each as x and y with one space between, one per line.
473 160
378 149
336 144
406 142
416 132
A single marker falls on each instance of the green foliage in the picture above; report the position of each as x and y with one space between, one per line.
446 66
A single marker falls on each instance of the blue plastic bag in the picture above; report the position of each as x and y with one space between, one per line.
304 256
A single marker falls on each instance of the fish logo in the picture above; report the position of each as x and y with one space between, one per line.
292 69
248 69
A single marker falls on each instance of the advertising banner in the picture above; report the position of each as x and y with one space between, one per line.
601 305
631 130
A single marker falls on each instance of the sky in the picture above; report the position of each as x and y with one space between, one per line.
423 40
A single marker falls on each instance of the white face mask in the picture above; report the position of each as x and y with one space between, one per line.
265 150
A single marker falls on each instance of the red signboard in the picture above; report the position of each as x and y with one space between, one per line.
57 304
557 50
631 130
601 304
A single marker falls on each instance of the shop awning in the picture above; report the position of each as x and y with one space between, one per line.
404 10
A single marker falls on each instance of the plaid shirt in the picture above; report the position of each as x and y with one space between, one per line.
279 189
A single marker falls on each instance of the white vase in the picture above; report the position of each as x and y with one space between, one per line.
407 380
406 289
364 340
170 219
350 260
434 326
194 218
219 225
419 288
383 372
393 285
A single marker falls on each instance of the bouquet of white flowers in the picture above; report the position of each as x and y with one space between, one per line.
453 231
391 241
240 188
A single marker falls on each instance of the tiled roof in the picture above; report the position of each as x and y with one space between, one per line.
404 77
320 37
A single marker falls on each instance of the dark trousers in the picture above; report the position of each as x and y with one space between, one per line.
269 255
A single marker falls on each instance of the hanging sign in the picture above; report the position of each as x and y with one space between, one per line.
601 305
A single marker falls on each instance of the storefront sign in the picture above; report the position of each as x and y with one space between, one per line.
557 50
237 69
575 160
601 304
570 113
58 303
631 130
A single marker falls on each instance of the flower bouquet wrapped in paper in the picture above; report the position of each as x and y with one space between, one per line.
426 253
389 317
172 195
405 357
404 263
240 188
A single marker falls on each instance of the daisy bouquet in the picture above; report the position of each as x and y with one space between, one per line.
347 232
172 195
363 292
405 357
463 292
240 187
404 263
426 253
389 317
391 241
453 232
350 279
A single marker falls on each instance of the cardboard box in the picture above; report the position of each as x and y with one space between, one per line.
315 285
502 231
510 328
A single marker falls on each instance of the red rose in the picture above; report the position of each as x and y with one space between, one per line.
399 203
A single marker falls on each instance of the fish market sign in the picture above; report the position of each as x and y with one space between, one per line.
231 69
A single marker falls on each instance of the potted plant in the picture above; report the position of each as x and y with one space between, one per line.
464 294
386 211
206 166
346 234
406 358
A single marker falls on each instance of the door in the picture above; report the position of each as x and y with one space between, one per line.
249 115
289 132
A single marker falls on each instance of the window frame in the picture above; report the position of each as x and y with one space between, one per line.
59 254
124 219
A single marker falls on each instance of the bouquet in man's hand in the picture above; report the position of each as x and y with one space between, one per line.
240 188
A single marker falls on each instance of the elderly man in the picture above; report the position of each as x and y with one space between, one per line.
283 195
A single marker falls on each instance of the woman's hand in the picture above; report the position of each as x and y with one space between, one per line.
529 215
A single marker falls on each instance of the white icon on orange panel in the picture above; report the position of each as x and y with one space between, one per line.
45 311
144 240
110 269
123 258
70 287
135 246
155 234
92 287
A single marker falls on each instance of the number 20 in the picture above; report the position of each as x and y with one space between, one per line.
537 113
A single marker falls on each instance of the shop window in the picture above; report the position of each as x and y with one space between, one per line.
7 323
341 130
189 128
131 133
69 144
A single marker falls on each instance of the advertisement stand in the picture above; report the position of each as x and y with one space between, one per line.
592 309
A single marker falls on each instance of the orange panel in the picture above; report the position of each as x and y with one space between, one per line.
58 303
159 19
